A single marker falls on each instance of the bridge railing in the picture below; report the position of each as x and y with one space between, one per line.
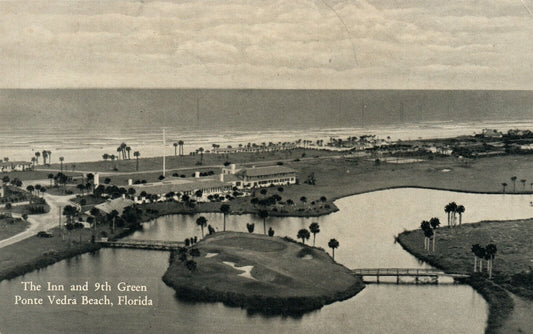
396 271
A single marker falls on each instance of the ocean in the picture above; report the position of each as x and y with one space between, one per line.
82 125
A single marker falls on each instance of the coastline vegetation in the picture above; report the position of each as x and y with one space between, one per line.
511 266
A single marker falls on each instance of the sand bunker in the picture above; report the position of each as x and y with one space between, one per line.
307 257
208 255
446 170
247 270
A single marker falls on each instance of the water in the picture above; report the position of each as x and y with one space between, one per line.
364 226
79 144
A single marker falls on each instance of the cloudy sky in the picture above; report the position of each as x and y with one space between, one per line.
398 44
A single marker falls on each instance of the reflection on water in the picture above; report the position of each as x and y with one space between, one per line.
365 227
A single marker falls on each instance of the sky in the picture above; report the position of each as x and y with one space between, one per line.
314 44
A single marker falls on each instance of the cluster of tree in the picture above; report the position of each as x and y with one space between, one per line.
452 209
513 180
305 234
14 182
113 191
178 144
311 179
124 150
191 241
429 228
486 253
183 254
47 157
36 189
59 179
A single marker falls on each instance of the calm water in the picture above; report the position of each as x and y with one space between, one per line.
364 226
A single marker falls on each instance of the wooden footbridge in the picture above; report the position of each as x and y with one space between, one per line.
161 245
419 275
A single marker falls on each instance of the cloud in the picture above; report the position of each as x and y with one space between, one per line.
279 44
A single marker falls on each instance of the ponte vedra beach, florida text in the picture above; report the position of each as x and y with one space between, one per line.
121 294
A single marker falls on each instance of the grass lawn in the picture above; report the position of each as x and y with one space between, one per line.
271 268
11 226
511 269
512 238
37 252
173 162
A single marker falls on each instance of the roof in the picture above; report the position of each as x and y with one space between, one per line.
268 170
164 188
115 204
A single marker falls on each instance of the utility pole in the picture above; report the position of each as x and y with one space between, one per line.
60 225
363 113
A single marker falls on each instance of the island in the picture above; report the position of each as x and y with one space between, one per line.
269 275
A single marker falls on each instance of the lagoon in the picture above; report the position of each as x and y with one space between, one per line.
365 226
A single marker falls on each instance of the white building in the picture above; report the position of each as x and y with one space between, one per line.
257 177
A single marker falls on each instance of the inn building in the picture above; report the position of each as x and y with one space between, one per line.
258 177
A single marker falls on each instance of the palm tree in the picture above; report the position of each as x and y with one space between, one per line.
453 207
49 156
51 177
263 214
137 154
475 250
303 234
425 226
37 155
303 199
504 185
513 178
113 157
523 181
113 215
225 209
490 251
180 143
435 223
45 155
202 222
448 210
128 150
201 151
175 149
314 228
61 159
30 188
460 210
333 243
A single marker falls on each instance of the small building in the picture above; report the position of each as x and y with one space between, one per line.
18 166
255 177
491 133
190 187
118 204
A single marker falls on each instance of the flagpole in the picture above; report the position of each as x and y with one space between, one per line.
164 153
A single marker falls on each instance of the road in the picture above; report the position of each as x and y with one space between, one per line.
41 222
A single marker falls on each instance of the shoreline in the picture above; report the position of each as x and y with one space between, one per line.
502 292
499 301
288 285
497 313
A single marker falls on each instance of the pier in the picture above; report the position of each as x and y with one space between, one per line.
432 274
160 245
